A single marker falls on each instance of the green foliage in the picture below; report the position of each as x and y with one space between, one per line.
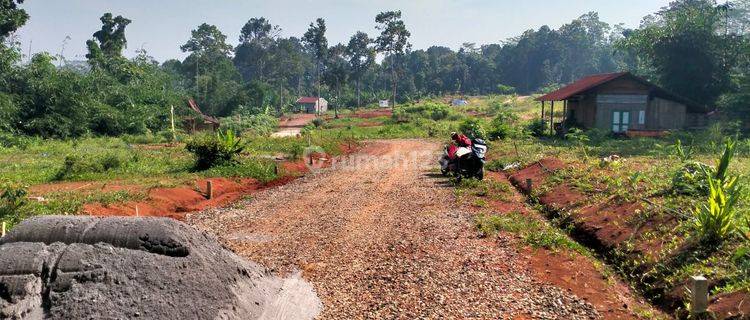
259 125
12 198
681 152
504 89
685 33
695 177
692 178
426 110
537 128
718 219
11 17
319 122
75 166
212 150
533 232
473 127
503 125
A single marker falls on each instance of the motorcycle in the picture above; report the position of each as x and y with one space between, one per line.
468 162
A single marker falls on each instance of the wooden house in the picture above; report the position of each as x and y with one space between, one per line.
201 121
622 103
312 104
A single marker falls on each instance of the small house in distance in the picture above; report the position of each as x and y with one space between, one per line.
384 103
312 104
200 122
622 103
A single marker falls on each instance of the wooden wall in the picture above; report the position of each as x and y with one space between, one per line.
665 115
661 114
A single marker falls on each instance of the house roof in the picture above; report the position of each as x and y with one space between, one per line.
205 117
593 81
308 100
580 86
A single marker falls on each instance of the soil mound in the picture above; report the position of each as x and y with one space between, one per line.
122 268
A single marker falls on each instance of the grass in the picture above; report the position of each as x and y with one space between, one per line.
533 231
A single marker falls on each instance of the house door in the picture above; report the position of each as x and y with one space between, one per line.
620 121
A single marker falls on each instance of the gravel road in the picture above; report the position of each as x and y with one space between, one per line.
385 239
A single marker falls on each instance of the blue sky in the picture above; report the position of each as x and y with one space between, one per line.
161 26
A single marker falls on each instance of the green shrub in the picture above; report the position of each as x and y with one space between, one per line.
505 89
692 178
259 124
319 122
717 218
473 127
11 200
9 140
426 110
110 161
502 125
212 150
537 128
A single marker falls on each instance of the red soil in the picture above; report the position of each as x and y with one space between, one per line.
175 202
575 273
567 270
610 224
562 197
537 172
735 305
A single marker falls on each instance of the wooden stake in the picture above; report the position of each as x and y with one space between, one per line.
174 133
552 119
699 291
210 189
4 226
137 212
542 110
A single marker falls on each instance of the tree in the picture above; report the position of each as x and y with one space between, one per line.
361 56
317 44
215 79
251 56
11 17
393 40
105 49
337 73
686 48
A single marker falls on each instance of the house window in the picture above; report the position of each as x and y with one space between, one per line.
620 121
642 117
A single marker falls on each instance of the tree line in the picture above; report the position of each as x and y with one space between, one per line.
696 48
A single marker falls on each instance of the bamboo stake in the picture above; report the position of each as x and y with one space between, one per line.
4 227
174 132
210 189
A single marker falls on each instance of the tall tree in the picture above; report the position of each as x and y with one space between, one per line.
361 56
11 17
251 56
337 73
105 49
393 40
684 44
215 79
110 40
317 44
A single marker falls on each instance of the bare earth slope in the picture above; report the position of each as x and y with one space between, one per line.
387 241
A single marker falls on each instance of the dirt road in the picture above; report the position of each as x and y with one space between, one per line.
292 126
388 241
